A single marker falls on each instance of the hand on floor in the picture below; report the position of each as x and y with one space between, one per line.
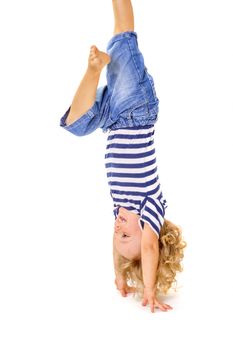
149 297
123 287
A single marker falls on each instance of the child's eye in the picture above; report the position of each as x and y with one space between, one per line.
122 219
124 235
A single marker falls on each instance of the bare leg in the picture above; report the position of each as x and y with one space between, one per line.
86 93
123 14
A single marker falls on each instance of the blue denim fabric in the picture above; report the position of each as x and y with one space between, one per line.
128 99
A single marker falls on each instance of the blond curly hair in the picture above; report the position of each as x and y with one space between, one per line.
171 246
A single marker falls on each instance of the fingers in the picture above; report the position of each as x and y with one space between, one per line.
144 301
124 288
131 289
155 304
151 302
161 307
123 292
152 305
147 299
164 307
168 306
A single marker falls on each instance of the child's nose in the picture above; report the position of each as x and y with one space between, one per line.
117 225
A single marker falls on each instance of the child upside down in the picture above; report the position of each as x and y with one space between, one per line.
147 248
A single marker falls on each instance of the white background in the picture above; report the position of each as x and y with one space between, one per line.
56 273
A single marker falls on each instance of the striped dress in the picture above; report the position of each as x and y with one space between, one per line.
130 162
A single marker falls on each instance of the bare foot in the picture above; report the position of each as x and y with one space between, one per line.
97 59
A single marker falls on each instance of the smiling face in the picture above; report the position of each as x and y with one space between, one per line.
127 234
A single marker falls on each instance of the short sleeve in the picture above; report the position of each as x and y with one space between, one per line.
152 212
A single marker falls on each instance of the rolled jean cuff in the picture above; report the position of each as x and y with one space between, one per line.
120 36
80 123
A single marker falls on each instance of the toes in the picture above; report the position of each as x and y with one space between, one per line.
94 49
93 52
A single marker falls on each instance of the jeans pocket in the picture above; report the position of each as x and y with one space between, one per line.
140 110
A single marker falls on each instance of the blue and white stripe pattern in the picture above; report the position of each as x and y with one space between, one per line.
130 162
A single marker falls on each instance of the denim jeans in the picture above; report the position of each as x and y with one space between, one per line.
129 98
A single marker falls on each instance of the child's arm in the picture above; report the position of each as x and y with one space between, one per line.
149 260
149 255
120 280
